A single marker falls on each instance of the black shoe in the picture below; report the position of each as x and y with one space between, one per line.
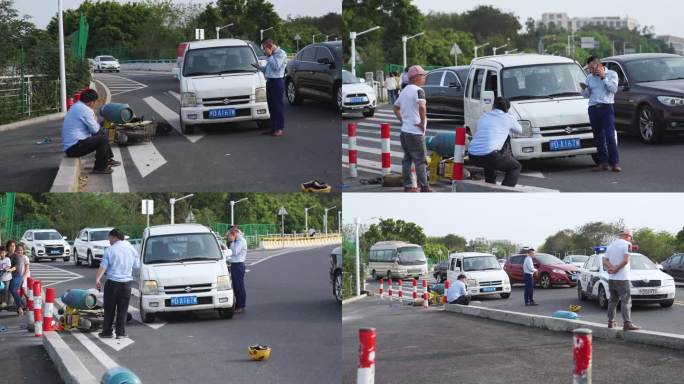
104 171
113 163
533 303
103 335
122 336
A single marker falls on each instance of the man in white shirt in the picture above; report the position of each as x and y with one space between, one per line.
391 86
485 149
457 293
616 262
529 272
411 110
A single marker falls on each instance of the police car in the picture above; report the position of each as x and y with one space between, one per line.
649 284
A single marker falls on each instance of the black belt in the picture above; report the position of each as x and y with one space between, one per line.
599 105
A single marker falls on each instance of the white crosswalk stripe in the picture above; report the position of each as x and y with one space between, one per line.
49 275
118 84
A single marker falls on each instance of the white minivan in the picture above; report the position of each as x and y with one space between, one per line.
544 92
219 84
396 259
182 268
484 274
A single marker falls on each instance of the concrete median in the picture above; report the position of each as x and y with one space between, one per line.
68 175
70 368
295 241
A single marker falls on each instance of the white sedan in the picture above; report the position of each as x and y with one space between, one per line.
357 96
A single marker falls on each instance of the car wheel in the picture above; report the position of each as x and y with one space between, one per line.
369 113
580 294
545 281
91 261
263 124
505 295
602 298
227 313
34 256
144 316
667 303
77 261
337 286
649 129
66 259
338 98
293 96
187 128
374 275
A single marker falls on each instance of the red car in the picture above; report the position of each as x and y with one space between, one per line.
551 270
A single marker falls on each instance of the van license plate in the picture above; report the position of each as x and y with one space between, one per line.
489 289
647 291
183 300
221 113
564 144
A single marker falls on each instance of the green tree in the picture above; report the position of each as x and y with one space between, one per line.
656 245
390 229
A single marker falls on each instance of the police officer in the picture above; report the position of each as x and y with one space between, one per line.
274 71
117 262
529 271
238 245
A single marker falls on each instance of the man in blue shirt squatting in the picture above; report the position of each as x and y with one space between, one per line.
600 89
82 134
117 262
274 71
457 293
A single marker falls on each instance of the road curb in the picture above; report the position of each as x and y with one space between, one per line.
67 176
35 120
659 339
353 299
70 368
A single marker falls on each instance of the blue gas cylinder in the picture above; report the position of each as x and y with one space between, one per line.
117 113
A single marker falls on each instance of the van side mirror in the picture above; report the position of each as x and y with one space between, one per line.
457 269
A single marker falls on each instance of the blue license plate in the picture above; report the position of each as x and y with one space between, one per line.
221 113
564 144
573 277
55 252
489 289
183 300
358 99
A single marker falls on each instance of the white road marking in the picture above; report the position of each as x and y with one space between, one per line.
371 164
146 158
271 256
119 181
375 151
50 275
135 312
175 95
94 350
116 344
170 116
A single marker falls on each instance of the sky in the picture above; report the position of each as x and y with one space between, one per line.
664 15
525 219
41 11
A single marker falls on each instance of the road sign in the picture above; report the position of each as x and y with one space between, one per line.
148 207
587 42
456 50
282 211
199 34
190 218
297 37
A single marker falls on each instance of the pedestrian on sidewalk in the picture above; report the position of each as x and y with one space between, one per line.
411 111
616 262
391 87
457 292
486 149
17 270
117 263
82 134
27 271
5 276
600 88
405 78
529 272
238 246
274 71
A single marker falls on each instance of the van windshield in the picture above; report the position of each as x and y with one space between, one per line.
219 60
181 247
480 263
99 235
411 255
542 81
47 236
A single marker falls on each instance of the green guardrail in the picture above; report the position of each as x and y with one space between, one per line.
156 61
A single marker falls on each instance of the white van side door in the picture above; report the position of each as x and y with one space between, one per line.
472 102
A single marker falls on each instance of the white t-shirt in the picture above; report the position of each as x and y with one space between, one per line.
615 253
5 263
408 102
390 83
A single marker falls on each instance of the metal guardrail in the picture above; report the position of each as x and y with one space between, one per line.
147 61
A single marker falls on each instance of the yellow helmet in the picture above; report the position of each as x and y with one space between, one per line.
575 308
259 352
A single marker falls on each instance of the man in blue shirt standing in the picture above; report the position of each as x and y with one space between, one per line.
457 293
274 71
117 262
600 89
529 271
81 134
238 245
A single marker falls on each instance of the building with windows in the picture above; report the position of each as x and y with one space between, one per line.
675 42
573 24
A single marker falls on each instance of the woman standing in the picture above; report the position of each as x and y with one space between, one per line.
27 271
17 270
391 86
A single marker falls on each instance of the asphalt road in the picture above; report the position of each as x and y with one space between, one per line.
290 307
432 346
646 168
232 157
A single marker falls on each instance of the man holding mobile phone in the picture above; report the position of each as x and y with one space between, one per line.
600 88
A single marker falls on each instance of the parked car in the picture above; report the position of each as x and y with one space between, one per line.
545 98
674 266
183 269
357 95
46 244
551 270
648 283
315 73
576 260
444 88
219 85
90 244
484 275
650 97
336 273
439 270
396 259
106 63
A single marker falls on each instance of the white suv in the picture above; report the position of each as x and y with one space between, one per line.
46 244
357 96
106 63
484 274
219 85
90 244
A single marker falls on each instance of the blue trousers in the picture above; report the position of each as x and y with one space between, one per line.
237 271
275 90
15 283
602 119
529 288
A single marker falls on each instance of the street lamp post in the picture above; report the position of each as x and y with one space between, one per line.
173 202
325 218
306 219
220 28
352 37
357 224
262 33
478 47
232 204
339 221
497 48
404 39
62 65
297 37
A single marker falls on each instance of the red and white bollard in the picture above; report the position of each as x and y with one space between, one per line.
382 287
366 371
459 153
401 291
37 309
389 290
29 302
446 286
581 356
353 154
426 299
47 309
385 156
414 283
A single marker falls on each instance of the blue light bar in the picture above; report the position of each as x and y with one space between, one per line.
600 249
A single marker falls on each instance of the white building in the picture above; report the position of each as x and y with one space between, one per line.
677 43
573 24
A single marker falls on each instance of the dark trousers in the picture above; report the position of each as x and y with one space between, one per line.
602 119
498 161
275 89
99 143
237 271
15 283
529 288
116 298
414 153
463 300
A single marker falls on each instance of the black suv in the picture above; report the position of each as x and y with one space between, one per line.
315 73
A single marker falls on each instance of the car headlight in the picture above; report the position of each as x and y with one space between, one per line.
668 283
149 287
98 247
558 271
260 94
671 101
40 245
526 129
223 283
471 282
188 99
